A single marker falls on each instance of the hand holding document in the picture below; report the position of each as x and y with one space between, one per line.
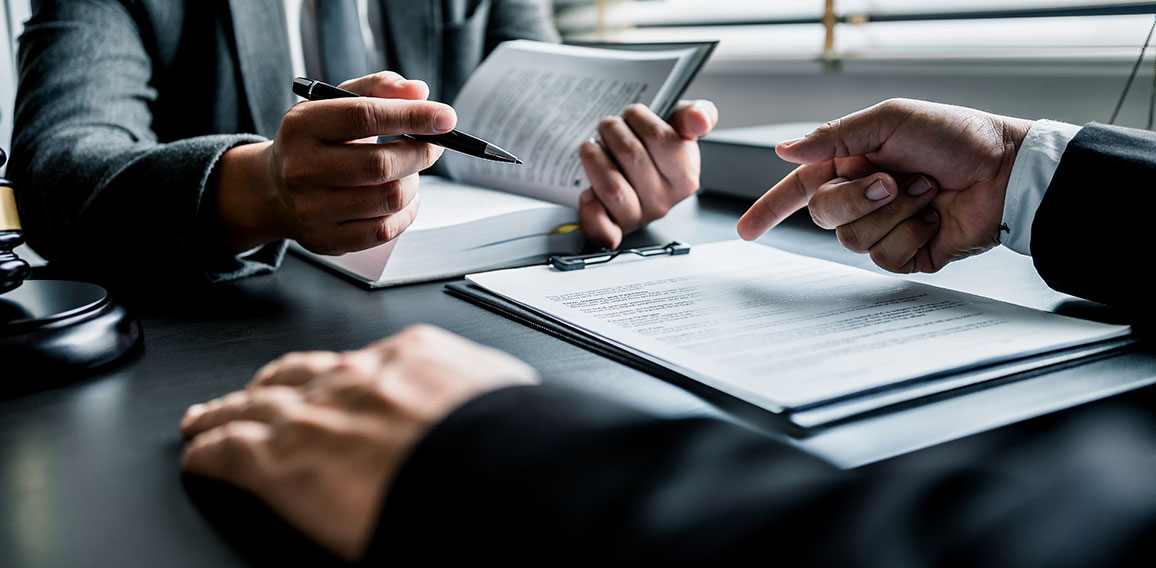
787 332
539 101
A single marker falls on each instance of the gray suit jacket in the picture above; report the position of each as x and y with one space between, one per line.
125 106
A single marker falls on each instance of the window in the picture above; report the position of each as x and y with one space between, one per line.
1014 34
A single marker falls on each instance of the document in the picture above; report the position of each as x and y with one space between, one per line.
539 101
784 331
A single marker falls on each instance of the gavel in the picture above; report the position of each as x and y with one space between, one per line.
13 269
52 331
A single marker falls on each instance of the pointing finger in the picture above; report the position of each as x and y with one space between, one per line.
786 197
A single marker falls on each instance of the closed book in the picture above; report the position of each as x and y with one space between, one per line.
741 162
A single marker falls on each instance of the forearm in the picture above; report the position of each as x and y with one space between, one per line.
537 474
95 185
1089 236
540 475
84 205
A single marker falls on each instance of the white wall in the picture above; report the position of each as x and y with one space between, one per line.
768 96
12 16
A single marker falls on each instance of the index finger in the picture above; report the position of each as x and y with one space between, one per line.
786 197
342 120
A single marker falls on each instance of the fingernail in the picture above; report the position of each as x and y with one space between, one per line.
586 196
931 216
877 191
443 120
920 186
792 141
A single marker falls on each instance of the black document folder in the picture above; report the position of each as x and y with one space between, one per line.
736 297
808 420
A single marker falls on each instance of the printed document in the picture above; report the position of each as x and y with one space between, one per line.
785 331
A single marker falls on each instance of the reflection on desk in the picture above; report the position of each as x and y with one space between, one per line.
89 472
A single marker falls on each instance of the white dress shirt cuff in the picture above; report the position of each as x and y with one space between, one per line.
1032 172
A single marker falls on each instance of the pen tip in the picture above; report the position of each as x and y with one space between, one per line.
501 155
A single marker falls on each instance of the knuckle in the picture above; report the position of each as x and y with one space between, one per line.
635 110
389 229
617 193
632 152
394 197
363 115
380 166
386 78
419 335
293 171
293 119
432 153
416 117
607 123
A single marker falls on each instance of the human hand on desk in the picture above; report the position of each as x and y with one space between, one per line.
313 185
915 184
320 436
643 167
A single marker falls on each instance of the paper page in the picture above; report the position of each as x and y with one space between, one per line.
783 330
454 221
446 203
540 101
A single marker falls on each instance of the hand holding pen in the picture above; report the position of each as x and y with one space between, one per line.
454 140
311 184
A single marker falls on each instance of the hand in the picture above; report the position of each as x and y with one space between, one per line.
313 185
915 184
642 169
320 436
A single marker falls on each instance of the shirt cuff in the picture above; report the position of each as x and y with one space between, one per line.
1032 172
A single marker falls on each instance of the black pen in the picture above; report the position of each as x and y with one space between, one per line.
454 140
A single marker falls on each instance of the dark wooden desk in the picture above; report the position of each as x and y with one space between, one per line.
89 472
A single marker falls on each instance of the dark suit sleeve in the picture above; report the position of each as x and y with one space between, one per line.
1090 236
540 475
93 182
520 19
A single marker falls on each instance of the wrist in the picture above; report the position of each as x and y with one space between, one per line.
244 196
1015 130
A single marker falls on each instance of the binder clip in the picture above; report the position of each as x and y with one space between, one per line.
580 261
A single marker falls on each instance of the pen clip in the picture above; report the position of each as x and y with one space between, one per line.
580 261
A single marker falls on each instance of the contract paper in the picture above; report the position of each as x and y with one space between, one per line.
540 101
785 331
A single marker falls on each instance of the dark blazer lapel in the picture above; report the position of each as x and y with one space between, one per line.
263 56
414 28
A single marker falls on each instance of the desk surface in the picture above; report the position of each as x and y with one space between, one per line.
89 472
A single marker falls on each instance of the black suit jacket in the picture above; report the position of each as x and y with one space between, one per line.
535 475
1090 236
125 106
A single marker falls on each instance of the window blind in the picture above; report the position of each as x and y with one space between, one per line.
991 32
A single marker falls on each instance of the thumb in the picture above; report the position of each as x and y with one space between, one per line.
856 134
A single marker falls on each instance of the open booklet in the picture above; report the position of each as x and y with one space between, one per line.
810 342
538 101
